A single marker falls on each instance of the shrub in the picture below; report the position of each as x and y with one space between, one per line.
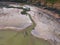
23 12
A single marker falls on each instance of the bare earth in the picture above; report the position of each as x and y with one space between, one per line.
46 25
12 18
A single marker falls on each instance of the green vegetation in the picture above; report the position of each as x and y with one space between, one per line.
52 2
23 12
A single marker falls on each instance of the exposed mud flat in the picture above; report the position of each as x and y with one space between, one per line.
47 27
12 18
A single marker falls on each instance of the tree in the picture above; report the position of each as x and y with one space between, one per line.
45 2
52 2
